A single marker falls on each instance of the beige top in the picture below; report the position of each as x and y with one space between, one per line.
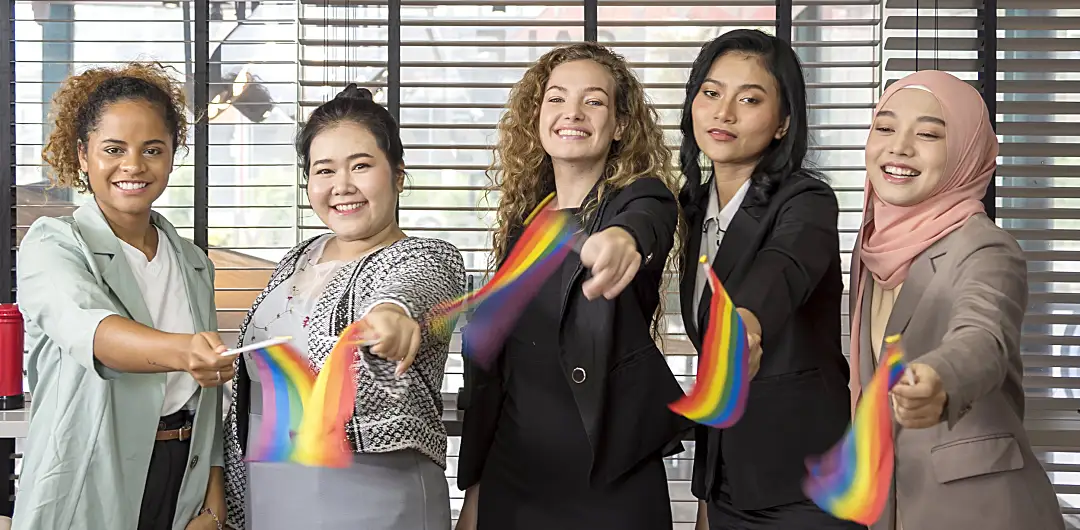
881 308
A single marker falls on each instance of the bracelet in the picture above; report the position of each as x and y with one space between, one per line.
212 514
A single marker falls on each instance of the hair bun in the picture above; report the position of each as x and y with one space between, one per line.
354 92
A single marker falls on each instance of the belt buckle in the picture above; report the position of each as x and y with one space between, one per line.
180 433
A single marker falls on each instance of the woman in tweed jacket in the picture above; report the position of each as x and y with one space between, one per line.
366 269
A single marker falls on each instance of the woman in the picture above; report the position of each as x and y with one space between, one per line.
963 456
366 269
125 363
570 428
768 227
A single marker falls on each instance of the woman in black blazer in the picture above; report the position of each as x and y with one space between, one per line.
768 227
569 428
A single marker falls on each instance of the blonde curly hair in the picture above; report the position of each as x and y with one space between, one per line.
79 103
521 171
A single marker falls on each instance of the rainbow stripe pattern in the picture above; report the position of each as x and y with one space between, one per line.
548 238
287 380
304 414
851 481
719 395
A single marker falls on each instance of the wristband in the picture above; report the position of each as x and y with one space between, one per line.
214 515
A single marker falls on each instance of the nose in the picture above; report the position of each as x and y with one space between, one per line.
902 144
343 184
133 163
725 110
574 112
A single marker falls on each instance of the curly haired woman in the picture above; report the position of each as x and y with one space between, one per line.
570 427
125 363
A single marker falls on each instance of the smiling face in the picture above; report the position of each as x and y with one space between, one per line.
128 157
578 118
906 151
351 185
737 110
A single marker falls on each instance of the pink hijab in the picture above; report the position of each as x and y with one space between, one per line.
893 236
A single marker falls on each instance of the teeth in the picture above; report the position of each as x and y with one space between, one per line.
571 132
901 172
348 207
131 186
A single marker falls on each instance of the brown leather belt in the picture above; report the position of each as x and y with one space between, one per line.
183 433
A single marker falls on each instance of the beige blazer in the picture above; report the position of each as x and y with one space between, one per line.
960 312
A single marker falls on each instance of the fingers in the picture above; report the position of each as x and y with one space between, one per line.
915 392
214 341
628 273
410 356
753 343
610 277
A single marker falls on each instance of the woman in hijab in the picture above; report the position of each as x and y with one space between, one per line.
930 265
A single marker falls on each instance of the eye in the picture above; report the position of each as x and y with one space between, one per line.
153 151
750 100
324 171
883 129
113 150
710 93
555 99
594 102
361 165
929 136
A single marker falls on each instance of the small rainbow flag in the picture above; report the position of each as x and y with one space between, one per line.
321 440
852 480
304 414
286 380
548 238
719 395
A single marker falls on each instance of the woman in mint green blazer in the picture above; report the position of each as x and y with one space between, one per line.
125 364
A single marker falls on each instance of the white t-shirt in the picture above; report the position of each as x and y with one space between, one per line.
161 282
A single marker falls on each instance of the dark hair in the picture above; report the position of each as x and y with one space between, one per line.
354 105
82 99
782 158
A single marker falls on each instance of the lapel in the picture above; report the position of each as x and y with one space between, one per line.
687 287
115 270
193 266
738 241
919 276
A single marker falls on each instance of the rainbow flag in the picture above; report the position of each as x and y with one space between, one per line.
304 414
286 380
548 238
852 480
719 395
321 440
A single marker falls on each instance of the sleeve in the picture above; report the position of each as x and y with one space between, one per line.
649 212
59 293
792 261
235 471
984 326
425 273
217 450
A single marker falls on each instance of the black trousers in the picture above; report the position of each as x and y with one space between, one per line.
803 515
168 463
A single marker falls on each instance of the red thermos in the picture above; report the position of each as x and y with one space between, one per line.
11 357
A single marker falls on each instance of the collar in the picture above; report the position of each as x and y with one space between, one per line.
721 217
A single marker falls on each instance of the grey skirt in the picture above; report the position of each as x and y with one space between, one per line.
403 490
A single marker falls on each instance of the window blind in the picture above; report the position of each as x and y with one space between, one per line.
1024 58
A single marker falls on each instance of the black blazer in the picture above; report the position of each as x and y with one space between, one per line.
623 401
781 260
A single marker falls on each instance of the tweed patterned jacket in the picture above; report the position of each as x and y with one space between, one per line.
391 414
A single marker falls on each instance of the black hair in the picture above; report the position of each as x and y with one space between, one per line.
354 105
783 158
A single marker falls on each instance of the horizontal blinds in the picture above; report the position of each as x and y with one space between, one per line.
1037 61
252 198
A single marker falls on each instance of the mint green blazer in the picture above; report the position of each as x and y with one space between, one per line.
92 428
